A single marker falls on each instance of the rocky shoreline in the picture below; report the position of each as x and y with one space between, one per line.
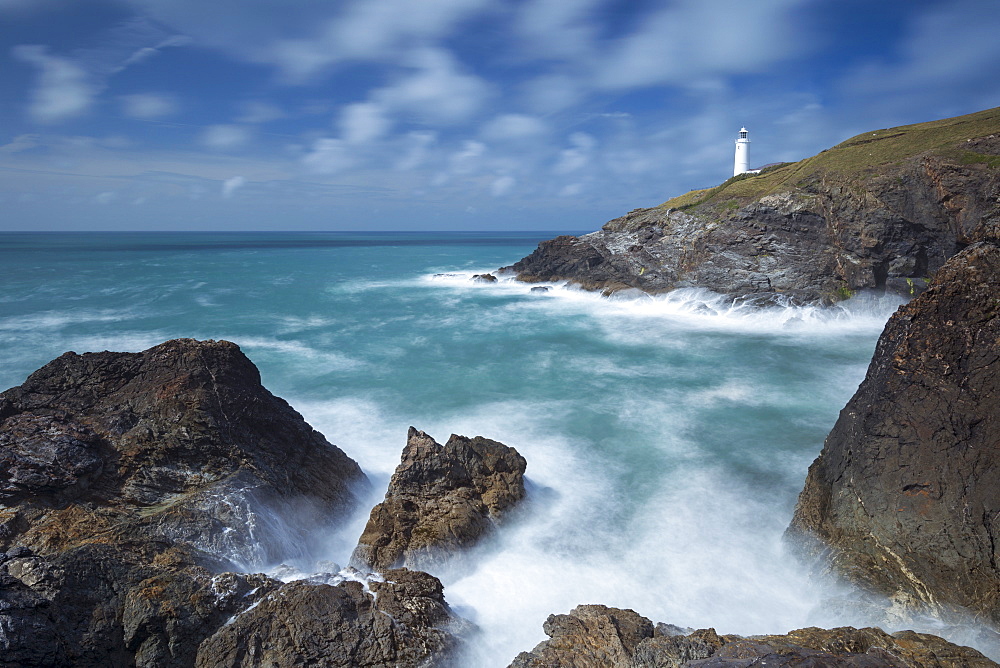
138 490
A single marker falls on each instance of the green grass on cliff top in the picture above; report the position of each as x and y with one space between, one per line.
865 152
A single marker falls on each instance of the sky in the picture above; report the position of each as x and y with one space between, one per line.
447 114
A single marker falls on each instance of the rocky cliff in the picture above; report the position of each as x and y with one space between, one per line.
131 482
442 499
905 495
595 636
882 211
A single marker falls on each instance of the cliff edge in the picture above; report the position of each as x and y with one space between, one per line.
882 211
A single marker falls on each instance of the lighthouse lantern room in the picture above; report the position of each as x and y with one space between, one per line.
742 164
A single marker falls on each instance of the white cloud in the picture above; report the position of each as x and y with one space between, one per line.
146 52
577 157
370 27
225 137
363 122
328 156
514 127
438 92
64 89
231 185
558 28
67 86
106 197
468 159
20 143
571 190
418 146
502 185
306 37
147 106
689 40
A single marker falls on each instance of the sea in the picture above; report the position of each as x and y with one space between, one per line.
667 437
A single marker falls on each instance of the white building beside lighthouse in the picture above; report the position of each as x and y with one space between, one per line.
742 164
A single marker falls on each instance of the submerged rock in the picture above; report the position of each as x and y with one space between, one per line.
595 636
904 499
441 500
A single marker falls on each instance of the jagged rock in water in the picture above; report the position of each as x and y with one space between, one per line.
404 621
484 278
595 636
904 498
184 437
128 482
441 499
880 211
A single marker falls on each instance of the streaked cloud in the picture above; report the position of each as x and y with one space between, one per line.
231 185
224 137
587 107
148 106
363 122
63 88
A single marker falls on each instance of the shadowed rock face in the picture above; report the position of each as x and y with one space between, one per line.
182 440
595 636
441 500
817 238
905 496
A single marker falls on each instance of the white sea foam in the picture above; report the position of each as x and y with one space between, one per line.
298 353
691 308
55 320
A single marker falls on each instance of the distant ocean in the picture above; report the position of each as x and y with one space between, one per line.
667 438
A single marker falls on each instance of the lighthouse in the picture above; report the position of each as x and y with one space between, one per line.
742 164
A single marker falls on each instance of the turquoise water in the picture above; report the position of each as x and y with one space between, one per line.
666 439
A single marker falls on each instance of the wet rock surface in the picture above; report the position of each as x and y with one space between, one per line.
595 636
904 498
813 236
441 500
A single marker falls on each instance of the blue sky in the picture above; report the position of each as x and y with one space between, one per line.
447 114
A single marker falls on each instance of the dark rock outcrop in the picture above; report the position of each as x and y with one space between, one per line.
441 499
128 484
881 211
595 636
905 495
181 441
402 621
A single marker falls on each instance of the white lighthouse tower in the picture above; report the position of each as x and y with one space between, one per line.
742 154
